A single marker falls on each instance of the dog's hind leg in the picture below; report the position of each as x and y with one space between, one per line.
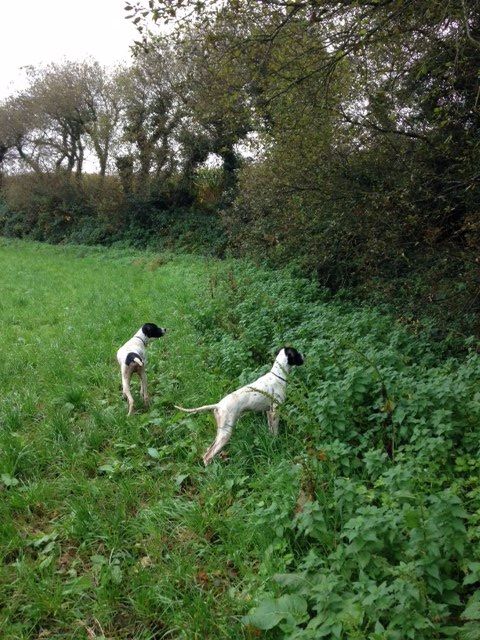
126 375
143 386
220 441
224 431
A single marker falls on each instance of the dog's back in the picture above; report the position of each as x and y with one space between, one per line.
131 352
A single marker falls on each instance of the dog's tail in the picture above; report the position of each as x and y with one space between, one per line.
206 407
134 357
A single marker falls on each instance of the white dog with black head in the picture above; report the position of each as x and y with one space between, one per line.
265 394
132 358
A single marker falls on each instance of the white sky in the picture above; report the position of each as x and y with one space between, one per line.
33 32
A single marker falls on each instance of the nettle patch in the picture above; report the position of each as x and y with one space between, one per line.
380 531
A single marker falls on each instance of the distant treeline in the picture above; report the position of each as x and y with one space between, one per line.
360 122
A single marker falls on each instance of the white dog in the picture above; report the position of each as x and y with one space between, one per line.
265 394
132 358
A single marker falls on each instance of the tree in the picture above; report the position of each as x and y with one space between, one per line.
211 88
103 97
412 76
7 139
64 109
151 115
18 123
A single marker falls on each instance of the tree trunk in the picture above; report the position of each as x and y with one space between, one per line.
33 164
143 178
125 173
80 157
3 153
230 165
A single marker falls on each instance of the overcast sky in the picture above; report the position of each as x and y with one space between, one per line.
41 31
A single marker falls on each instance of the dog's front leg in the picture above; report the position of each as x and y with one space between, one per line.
143 387
273 420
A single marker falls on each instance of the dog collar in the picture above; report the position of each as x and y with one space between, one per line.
276 375
142 340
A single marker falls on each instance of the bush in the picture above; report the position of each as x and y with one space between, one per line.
58 208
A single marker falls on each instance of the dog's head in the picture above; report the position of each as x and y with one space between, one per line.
294 357
153 331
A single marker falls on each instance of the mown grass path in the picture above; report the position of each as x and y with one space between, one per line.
103 530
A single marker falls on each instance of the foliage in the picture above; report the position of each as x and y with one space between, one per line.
345 137
57 209
360 520
383 525
365 119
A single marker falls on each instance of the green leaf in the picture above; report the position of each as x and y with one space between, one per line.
153 453
180 478
79 585
472 610
290 579
47 561
270 612
412 519
106 468
474 575
44 539
8 481
116 574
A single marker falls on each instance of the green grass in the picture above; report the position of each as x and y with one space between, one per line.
96 533
110 527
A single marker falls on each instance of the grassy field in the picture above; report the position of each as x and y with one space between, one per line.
360 521
101 528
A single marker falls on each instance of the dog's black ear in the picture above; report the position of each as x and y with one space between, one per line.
294 357
147 329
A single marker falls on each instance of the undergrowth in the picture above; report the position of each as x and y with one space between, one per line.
379 522
361 520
